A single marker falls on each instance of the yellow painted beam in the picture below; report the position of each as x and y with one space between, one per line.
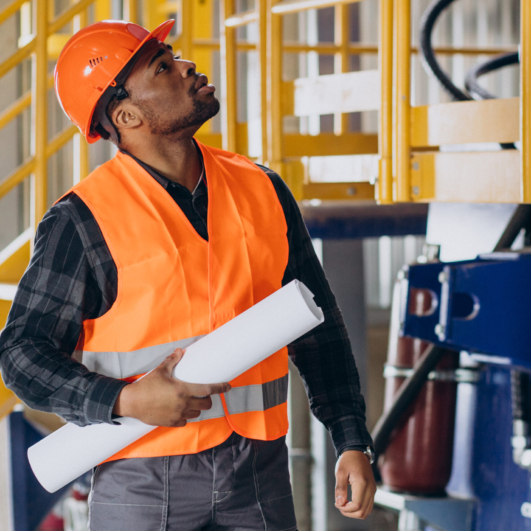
10 10
339 191
466 122
17 57
472 177
56 43
59 140
385 58
40 111
102 12
328 144
210 139
525 77
402 39
16 177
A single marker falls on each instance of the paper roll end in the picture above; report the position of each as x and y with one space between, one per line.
38 473
308 297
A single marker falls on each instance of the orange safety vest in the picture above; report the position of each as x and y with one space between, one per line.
174 287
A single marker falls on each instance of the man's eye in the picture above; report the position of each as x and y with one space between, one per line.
176 57
163 66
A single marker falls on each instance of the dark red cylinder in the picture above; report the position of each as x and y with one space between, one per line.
419 458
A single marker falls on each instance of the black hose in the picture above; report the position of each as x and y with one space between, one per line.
405 396
500 61
431 65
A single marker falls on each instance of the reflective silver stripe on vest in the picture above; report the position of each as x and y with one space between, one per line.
243 399
257 397
126 364
215 412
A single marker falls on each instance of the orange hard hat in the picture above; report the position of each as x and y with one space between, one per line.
95 60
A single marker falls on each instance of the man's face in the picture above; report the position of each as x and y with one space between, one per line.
171 96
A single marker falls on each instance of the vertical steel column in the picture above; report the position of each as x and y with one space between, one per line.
39 111
341 59
228 69
186 29
102 10
403 98
525 98
131 11
81 154
262 8
385 136
274 81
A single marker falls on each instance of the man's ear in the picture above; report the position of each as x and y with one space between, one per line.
126 116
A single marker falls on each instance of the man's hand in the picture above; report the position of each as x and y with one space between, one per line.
159 399
353 468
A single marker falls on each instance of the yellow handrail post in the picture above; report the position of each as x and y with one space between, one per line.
341 59
228 68
274 80
102 10
403 98
186 37
131 11
525 99
40 102
385 137
262 9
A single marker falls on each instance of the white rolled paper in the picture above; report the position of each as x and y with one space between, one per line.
218 357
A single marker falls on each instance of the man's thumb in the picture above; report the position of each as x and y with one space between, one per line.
173 359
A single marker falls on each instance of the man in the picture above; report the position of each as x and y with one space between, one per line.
159 246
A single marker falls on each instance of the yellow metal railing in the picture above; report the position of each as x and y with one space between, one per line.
422 172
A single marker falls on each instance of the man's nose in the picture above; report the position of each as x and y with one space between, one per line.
187 68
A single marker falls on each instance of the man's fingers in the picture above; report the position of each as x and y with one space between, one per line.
341 488
202 390
362 501
192 414
200 403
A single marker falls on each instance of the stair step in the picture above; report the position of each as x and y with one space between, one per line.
7 291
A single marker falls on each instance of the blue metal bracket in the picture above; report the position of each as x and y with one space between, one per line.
481 306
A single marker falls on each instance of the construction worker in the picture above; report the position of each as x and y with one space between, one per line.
159 246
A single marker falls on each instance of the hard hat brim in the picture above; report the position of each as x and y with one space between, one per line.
160 33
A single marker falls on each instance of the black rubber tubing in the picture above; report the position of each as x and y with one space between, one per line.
431 65
495 63
405 396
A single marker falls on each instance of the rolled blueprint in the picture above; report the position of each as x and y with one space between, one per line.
218 357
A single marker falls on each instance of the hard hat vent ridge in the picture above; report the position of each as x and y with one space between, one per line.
96 61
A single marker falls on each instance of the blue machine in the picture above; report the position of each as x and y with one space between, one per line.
481 307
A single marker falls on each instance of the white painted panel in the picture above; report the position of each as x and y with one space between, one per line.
351 92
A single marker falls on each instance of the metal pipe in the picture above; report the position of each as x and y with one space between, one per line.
525 98
262 8
40 110
228 67
403 99
16 177
385 137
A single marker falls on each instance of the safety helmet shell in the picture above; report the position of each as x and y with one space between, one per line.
90 62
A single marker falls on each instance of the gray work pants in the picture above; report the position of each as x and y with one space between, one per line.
239 485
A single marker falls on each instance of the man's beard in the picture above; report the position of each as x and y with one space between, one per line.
201 112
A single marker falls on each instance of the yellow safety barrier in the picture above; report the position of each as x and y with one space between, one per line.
422 172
